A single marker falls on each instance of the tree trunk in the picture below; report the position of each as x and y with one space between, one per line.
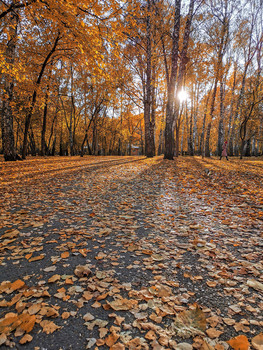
8 140
148 122
173 103
190 136
34 96
207 140
171 79
44 126
221 121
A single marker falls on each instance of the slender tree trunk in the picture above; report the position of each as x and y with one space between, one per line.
8 140
44 126
190 136
34 96
32 143
221 121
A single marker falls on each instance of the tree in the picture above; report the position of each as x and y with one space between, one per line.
8 78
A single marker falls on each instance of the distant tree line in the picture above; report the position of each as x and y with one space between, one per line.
141 77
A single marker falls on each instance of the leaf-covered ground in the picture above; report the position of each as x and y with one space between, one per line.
131 253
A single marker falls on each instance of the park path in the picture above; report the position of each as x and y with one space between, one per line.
130 253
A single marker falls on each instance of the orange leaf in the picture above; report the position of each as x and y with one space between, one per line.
64 255
112 338
39 257
17 284
239 343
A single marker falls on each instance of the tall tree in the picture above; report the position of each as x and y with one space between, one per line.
8 141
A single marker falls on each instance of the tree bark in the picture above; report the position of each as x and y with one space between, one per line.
34 96
172 109
149 121
221 121
44 126
8 140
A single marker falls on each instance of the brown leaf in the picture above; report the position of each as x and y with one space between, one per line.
49 326
82 271
213 333
54 278
123 304
255 284
3 338
117 346
26 339
189 323
112 338
33 309
257 341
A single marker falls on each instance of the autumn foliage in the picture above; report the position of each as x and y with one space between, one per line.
103 78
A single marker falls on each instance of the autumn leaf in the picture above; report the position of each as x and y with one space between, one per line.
3 338
189 323
64 255
257 341
112 338
49 326
26 339
36 258
54 278
122 304
17 285
239 343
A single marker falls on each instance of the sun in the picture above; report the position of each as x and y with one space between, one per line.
183 95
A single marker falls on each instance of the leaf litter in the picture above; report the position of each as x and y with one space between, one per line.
146 254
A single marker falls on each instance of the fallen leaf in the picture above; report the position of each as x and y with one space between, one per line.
257 341
239 343
39 257
122 304
17 285
3 338
117 346
213 333
26 339
64 255
189 323
255 284
82 271
112 338
49 326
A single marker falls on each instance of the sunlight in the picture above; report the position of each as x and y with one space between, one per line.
183 95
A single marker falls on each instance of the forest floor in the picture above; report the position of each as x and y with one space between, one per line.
131 253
